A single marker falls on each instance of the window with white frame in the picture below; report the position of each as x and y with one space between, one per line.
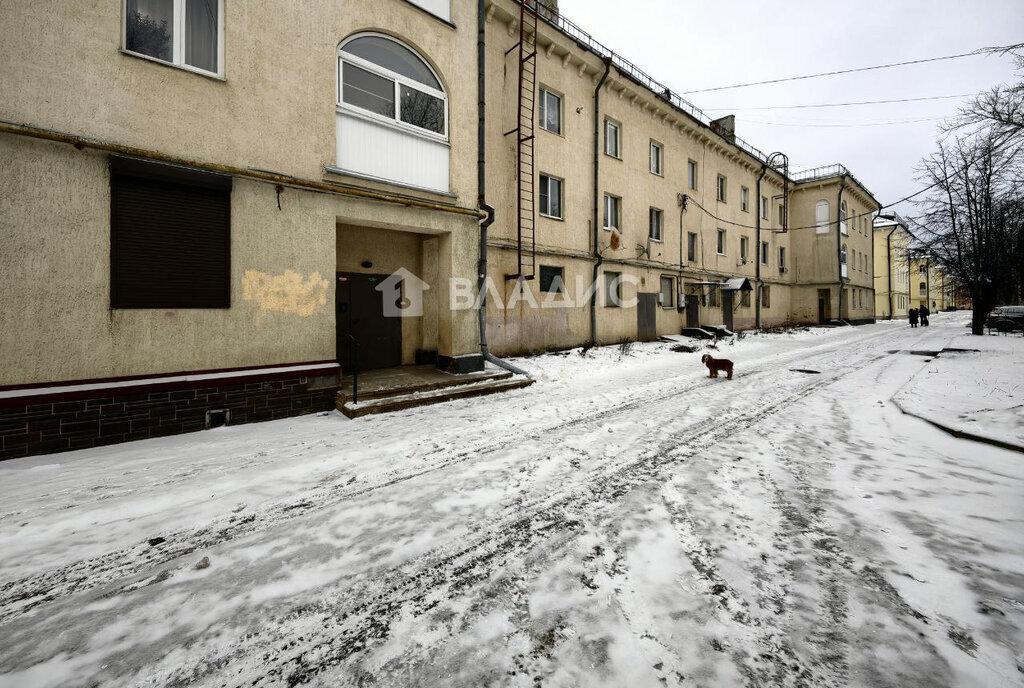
186 33
842 218
764 253
691 174
612 211
744 199
550 196
667 294
744 248
550 111
384 79
721 242
612 135
821 217
612 289
656 155
654 231
721 188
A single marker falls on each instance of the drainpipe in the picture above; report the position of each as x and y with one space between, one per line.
487 221
757 252
597 200
839 244
888 267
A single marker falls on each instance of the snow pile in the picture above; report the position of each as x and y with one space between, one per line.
975 385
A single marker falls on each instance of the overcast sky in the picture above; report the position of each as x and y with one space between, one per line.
689 45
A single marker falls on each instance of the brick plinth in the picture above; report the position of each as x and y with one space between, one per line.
45 426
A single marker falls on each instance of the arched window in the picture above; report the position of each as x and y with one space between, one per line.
380 76
842 218
392 115
821 217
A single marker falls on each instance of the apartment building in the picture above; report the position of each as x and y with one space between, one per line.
636 196
892 266
203 199
930 285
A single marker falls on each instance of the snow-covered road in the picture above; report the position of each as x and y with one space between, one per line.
625 521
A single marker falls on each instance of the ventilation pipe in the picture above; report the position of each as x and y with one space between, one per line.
597 199
757 252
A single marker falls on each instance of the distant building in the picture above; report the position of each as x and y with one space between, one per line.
892 266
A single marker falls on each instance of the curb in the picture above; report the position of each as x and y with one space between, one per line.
960 433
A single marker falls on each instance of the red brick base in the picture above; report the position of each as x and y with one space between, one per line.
31 428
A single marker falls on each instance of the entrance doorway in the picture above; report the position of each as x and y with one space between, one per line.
359 312
693 310
646 317
824 306
727 297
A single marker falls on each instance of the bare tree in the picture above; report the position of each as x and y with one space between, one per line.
1001 107
973 219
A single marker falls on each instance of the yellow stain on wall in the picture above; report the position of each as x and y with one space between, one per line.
287 293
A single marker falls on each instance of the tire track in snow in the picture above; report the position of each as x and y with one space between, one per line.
20 596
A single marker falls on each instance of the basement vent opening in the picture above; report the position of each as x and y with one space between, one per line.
217 418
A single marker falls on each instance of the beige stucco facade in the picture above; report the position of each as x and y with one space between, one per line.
644 117
892 268
273 110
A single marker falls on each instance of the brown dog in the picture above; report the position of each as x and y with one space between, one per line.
716 364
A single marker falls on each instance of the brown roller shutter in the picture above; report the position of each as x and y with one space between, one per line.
170 237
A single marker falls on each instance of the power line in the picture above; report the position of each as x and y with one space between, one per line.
979 51
853 216
826 105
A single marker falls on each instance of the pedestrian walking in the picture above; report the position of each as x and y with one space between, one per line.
924 315
912 316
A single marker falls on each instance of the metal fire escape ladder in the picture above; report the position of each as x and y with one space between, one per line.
524 132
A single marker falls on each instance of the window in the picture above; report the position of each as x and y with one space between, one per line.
744 199
612 211
922 270
821 217
764 207
691 247
550 111
383 78
611 139
745 299
655 225
744 246
713 299
766 296
782 218
612 289
186 33
764 253
691 174
551 279
924 288
666 295
550 196
721 188
170 233
721 242
656 151
842 218
782 259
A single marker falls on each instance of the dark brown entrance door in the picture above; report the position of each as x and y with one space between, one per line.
693 310
727 297
824 305
360 313
646 317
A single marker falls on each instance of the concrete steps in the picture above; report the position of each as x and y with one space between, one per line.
428 393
